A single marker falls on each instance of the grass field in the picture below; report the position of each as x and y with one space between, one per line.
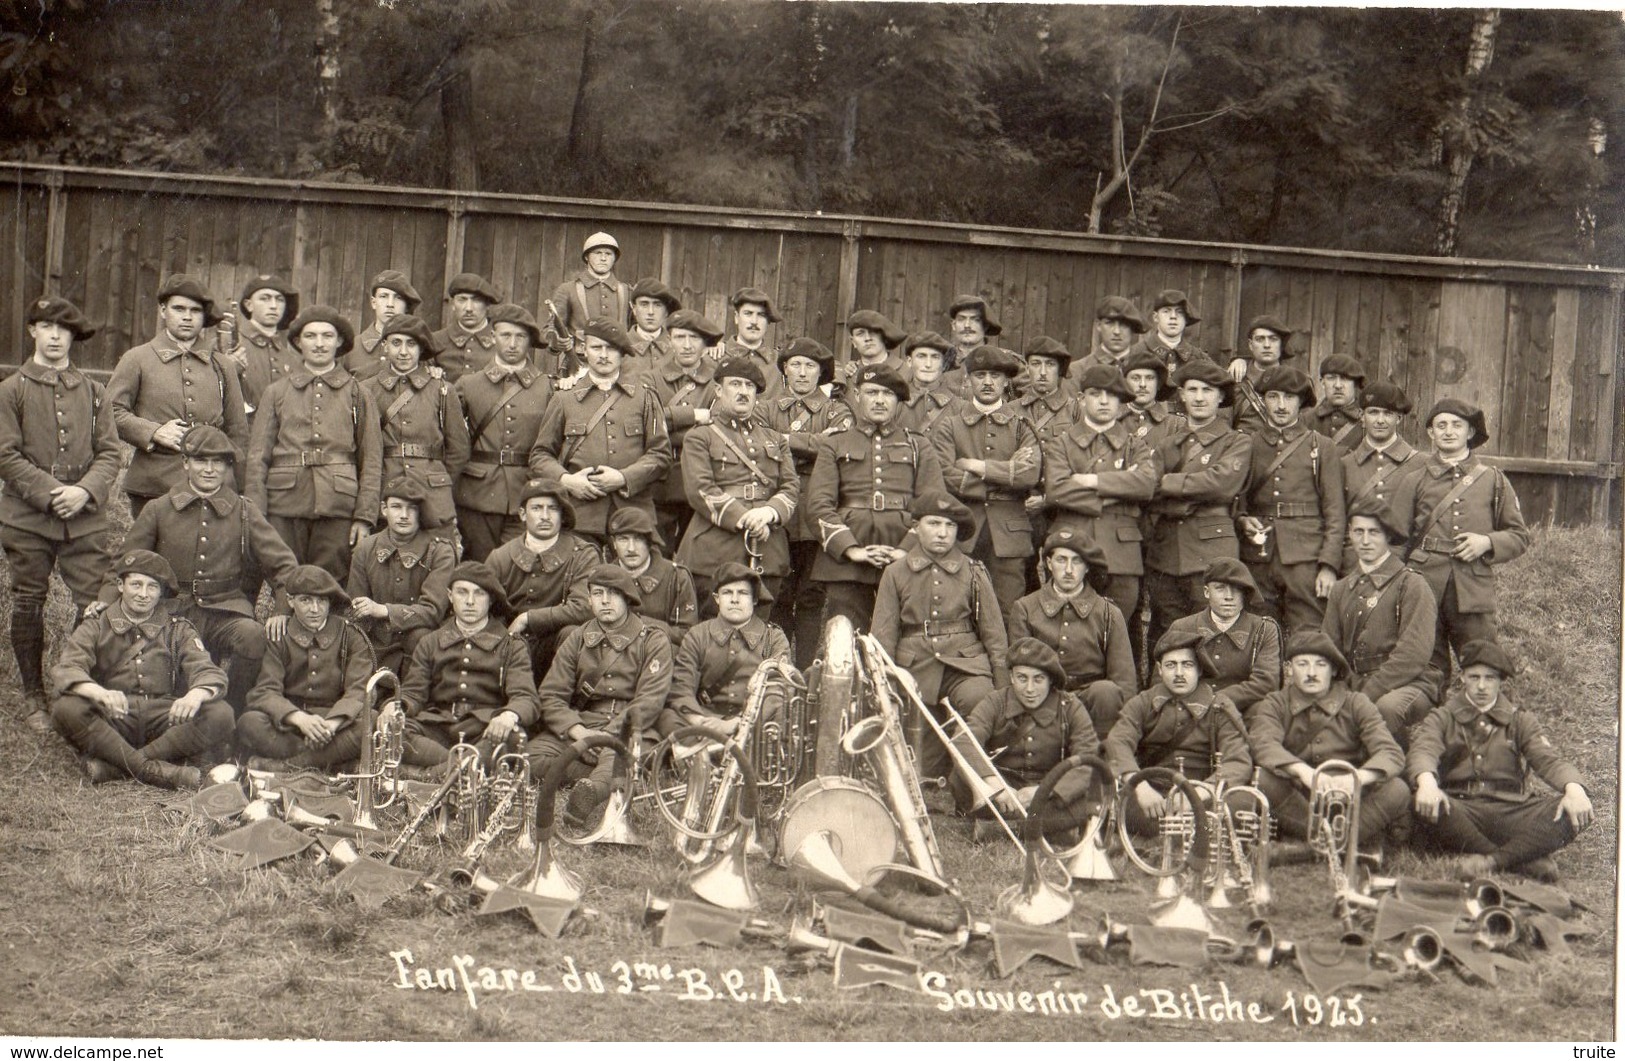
120 920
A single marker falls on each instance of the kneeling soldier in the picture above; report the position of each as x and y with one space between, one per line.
313 680
710 675
398 576
136 690
1470 761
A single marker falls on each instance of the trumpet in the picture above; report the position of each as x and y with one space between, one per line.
467 794
1334 828
1241 827
509 787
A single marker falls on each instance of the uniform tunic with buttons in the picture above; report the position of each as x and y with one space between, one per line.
1344 425
423 435
863 480
803 419
712 669
365 360
323 673
159 658
549 587
926 408
1243 662
409 578
668 596
1051 413
1302 498
55 430
765 359
1486 755
1150 423
1005 439
507 408
1383 623
721 487
939 614
631 438
1489 506
599 674
1109 512
463 351
1157 728
157 382
1025 745
1203 471
1370 473
316 451
269 358
454 676
1174 357
1087 631
587 296
680 392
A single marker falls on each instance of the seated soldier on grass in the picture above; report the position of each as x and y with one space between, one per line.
136 689
666 587
711 672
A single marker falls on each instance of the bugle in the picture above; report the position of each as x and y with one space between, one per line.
1038 900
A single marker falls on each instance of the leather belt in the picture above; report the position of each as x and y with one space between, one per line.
1439 545
68 473
878 501
310 458
751 491
508 456
1120 508
457 709
1288 510
939 629
201 587
1211 510
1482 788
414 449
1006 495
1368 663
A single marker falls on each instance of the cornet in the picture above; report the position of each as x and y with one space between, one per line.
1334 828
370 770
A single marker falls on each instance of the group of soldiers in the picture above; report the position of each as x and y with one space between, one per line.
587 521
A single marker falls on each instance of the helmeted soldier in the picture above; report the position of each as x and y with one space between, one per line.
467 343
421 420
593 293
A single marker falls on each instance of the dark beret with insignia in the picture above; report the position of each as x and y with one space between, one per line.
396 281
635 521
406 487
610 332
942 503
1470 413
53 310
206 440
733 571
554 489
617 578
1385 394
410 325
473 284
812 350
881 376
741 368
652 287
146 562
694 321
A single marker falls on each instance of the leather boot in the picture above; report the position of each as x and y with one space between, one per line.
180 742
28 642
160 774
99 740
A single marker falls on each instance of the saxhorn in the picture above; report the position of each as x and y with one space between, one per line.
724 879
1334 829
1038 900
546 877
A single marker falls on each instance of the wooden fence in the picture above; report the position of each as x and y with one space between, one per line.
1539 347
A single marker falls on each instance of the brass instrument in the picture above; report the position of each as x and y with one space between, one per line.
724 878
817 862
546 877
615 826
753 549
1496 928
1037 900
1185 843
976 768
1241 827
782 748
1422 949
370 769
838 693
509 785
467 794
1334 829
465 874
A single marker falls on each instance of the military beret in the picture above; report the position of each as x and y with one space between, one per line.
1116 307
265 282
926 341
1079 542
1031 652
396 281
741 368
733 571
1175 297
53 310
635 521
186 286
407 487
599 239
1375 508
1470 413
1205 371
1270 324
206 440
1174 640
1044 346
309 580
473 284
415 327
651 287
693 321
1343 365
881 376
617 578
1287 380
1316 643
1385 394
747 295
990 327
1487 653
146 562
989 358
812 350
1232 572
479 574
1145 359
890 334
514 313
1105 378
942 503
323 315
554 489
612 333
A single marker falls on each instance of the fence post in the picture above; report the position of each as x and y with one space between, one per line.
846 290
456 228
1232 301
56 231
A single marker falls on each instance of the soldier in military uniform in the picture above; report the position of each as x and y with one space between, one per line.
312 683
59 457
161 388
876 341
863 480
505 403
1382 617
930 394
666 588
543 572
970 324
1267 339
1240 650
753 312
1337 415
1147 414
938 616
684 382
605 440
1171 314
315 462
135 689
1373 466
594 293
467 344
420 420
712 667
1118 324
1470 761
1461 518
741 483
263 355
390 295
1049 399
653 303
1292 506
398 576
990 459
1086 630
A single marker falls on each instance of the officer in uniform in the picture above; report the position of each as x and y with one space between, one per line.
398 576
741 483
59 458
653 303
684 382
543 572
1267 339
863 481
712 668
1337 415
420 420
264 355
312 683
1118 324
1372 467
753 312
930 392
315 461
666 588
135 689
161 388
505 403
1240 650
467 343
1470 761
390 294
1171 314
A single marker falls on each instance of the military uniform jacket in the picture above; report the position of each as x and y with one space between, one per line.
1203 469
803 420
711 672
584 297
604 673
1151 423
1087 632
631 438
765 359
1488 506
423 433
462 351
925 408
210 542
362 361
1051 413
668 596
317 451
1156 728
1384 623
1288 727
55 431
1488 754
550 587
1369 472
269 358
680 392
1172 356
454 676
1025 745
324 673
730 467
1248 413
863 480
1302 498
157 382
1006 440
1243 662
410 578
1345 426
941 610
161 657
505 410
1110 512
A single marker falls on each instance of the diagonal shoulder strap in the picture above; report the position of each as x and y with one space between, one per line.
733 447
510 391
1449 499
592 423
1286 454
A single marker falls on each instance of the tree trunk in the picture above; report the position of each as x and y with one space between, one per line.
575 147
327 68
457 116
1456 140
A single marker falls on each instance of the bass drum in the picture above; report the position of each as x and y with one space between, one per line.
861 830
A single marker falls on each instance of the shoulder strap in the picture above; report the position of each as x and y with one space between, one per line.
510 391
1449 499
593 421
1286 454
733 447
1343 432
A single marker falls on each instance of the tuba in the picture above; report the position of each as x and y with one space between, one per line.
834 693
